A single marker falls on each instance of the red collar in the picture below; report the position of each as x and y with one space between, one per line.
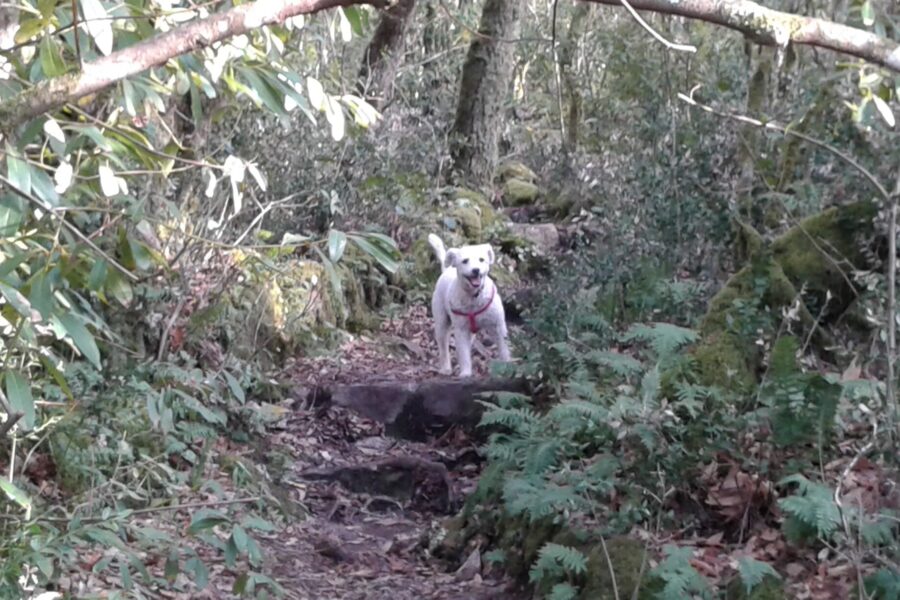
473 326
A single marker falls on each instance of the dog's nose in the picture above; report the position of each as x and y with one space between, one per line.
476 271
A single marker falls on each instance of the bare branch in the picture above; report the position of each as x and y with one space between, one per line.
104 72
775 28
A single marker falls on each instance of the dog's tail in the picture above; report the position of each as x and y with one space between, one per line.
439 249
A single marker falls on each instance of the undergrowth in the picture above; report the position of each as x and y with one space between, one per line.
633 439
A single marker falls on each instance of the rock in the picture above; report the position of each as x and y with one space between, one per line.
407 478
519 192
543 236
470 568
469 220
514 169
418 410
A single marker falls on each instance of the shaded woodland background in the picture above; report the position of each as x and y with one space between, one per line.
697 246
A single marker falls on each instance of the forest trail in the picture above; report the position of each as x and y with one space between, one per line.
368 529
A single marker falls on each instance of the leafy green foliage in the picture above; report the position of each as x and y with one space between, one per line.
681 579
811 511
753 572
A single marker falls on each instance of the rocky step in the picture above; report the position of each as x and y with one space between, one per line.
417 410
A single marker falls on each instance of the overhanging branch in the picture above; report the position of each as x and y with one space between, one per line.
108 70
776 28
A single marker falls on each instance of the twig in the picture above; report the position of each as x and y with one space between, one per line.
659 38
164 341
891 317
150 510
612 571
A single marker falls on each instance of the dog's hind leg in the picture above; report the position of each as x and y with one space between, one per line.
442 335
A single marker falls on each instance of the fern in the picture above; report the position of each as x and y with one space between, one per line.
813 508
580 410
681 580
878 532
543 455
620 364
753 572
554 560
517 419
563 591
884 585
495 557
663 338
537 498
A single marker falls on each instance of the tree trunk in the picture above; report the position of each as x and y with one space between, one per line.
571 85
383 54
486 77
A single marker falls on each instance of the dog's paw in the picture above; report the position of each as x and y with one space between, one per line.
445 370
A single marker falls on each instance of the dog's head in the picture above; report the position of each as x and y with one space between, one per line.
472 264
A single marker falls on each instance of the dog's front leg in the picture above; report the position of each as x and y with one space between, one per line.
503 348
442 335
463 339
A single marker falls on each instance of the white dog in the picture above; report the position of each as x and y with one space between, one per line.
466 299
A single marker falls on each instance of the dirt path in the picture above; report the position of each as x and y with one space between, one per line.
368 531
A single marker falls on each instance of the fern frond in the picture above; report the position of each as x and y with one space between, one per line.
543 456
620 364
563 591
663 338
537 498
753 572
555 559
516 419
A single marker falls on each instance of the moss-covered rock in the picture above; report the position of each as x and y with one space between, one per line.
822 251
518 192
469 220
513 169
627 563
818 256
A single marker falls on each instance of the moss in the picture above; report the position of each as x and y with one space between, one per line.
626 556
824 249
721 362
469 219
471 199
519 192
769 589
514 169
748 243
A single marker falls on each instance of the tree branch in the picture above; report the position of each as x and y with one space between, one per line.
108 70
775 28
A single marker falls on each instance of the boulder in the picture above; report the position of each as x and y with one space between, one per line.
518 192
544 237
513 169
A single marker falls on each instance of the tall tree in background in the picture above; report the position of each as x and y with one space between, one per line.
483 88
383 54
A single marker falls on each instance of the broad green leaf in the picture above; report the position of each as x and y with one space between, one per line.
43 187
257 523
884 110
98 24
355 17
206 519
57 375
11 215
97 276
231 552
387 258
80 335
46 7
17 170
18 391
172 567
52 62
62 179
19 302
28 30
867 12
41 294
51 128
119 288
196 567
236 390
239 535
337 242
316 93
15 494
346 27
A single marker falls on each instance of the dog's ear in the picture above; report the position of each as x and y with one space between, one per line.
490 255
452 258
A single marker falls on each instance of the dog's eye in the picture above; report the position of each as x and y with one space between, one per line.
481 259
465 261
